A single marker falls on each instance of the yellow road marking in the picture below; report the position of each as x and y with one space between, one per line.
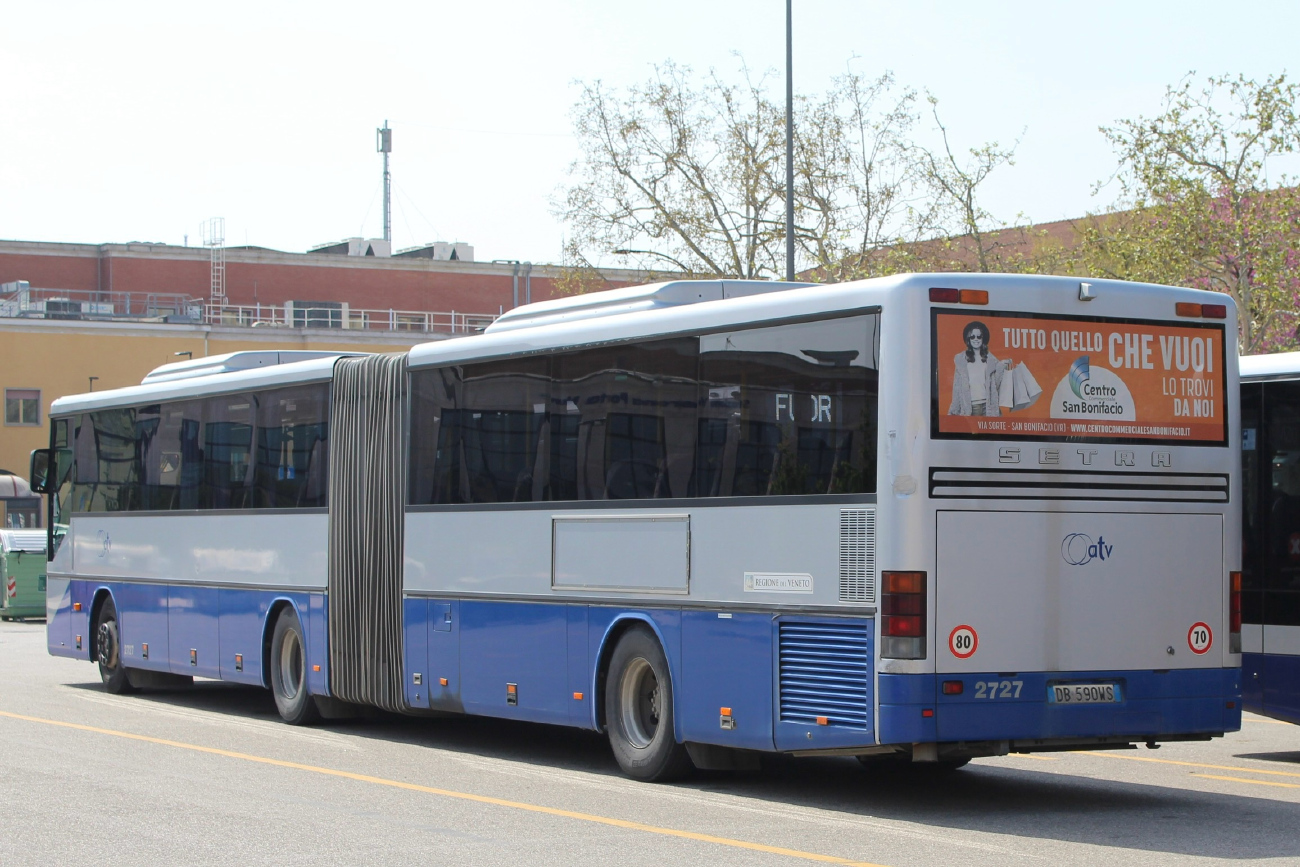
463 796
1192 764
1253 782
1032 756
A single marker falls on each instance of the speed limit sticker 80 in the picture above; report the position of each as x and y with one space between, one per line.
963 641
1200 637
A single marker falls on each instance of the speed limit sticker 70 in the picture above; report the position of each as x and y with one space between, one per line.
1199 637
963 641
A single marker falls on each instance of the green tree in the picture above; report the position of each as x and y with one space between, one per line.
1198 206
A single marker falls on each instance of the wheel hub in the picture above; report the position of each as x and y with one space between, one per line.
108 644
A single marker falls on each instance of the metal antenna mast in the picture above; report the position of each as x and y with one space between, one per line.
789 142
384 144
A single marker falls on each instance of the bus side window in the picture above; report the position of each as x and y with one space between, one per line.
227 455
108 462
789 409
292 448
1282 580
171 455
623 421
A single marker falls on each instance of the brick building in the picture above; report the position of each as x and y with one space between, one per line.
79 317
411 280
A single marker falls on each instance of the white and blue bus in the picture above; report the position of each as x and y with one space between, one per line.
1270 601
925 517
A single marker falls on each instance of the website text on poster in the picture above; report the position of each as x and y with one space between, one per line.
1015 375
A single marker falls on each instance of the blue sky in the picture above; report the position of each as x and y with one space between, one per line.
137 121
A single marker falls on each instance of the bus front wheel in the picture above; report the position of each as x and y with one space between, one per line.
639 710
289 671
108 650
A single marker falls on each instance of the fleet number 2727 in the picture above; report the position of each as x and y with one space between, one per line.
992 689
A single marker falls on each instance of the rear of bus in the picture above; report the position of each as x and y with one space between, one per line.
1064 503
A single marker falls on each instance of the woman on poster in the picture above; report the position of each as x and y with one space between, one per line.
978 380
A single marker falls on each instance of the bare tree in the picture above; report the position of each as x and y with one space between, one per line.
952 211
675 174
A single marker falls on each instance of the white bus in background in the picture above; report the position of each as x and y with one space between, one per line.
1270 482
925 517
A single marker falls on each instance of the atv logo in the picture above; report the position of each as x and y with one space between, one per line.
1078 549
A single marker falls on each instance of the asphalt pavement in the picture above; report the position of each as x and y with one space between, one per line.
209 775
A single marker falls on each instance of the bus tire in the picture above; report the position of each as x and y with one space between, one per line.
639 710
289 671
108 650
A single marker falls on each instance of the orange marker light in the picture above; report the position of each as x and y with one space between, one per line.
577 696
76 606
823 721
974 296
442 681
315 668
510 687
724 711
1186 308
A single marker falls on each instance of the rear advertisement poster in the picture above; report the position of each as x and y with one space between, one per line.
1020 375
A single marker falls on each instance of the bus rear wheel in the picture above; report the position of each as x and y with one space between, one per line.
289 671
108 650
639 710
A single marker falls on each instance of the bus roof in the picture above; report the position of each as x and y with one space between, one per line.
672 308
633 299
206 383
1279 365
661 309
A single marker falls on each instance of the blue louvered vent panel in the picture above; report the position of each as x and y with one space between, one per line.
825 671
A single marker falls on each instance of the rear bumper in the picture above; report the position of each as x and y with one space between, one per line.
1154 704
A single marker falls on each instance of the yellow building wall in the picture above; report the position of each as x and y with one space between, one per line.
59 358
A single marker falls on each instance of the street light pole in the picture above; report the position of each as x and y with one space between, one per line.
789 142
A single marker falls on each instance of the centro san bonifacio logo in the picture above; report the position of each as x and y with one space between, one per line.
1078 549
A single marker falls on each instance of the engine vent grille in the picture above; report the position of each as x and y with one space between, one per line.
825 673
857 555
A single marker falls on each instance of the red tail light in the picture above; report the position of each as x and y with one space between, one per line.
945 296
902 615
1204 311
1234 612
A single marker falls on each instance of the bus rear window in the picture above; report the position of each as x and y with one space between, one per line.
1001 375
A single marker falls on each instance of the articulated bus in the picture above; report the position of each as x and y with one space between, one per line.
1270 482
921 518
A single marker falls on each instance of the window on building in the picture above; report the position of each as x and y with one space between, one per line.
22 406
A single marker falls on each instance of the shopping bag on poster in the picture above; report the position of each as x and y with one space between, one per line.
1025 390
